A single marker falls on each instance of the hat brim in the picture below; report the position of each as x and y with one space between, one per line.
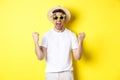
67 12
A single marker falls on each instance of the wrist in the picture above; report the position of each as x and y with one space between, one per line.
36 43
80 42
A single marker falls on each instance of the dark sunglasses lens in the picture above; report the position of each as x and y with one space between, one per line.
61 17
55 17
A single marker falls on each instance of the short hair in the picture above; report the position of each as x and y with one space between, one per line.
59 10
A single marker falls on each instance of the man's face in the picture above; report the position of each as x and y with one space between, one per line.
58 20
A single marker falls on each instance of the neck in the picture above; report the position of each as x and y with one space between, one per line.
61 30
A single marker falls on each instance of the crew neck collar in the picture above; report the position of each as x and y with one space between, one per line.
60 31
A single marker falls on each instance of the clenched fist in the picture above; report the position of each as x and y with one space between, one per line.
81 36
35 36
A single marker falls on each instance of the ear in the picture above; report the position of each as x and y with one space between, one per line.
52 20
65 21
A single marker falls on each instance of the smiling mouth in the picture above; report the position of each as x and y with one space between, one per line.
58 23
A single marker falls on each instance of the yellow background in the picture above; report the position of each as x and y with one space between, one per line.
99 19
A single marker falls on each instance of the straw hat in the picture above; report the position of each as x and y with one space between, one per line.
67 12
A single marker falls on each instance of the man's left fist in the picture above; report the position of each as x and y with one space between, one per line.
81 36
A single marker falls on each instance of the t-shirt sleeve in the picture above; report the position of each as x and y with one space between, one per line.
74 42
44 42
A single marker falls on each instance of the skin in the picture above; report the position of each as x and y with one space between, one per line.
59 24
59 27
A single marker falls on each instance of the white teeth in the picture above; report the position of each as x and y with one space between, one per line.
58 22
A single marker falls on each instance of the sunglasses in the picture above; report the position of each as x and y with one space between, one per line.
62 17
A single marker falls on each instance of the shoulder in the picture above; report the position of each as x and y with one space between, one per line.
70 32
46 34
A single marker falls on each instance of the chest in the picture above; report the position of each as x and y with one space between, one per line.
59 40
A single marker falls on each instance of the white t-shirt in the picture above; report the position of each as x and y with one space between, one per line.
59 46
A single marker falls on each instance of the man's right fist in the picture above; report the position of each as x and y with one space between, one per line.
35 36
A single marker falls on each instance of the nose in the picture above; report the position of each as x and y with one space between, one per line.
58 19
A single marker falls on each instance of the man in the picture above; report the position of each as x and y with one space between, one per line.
57 44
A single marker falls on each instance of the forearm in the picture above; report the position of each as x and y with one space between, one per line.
79 50
39 51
